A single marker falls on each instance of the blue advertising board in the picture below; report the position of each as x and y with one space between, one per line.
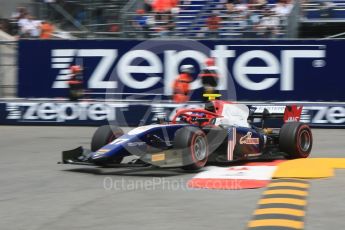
248 70
93 113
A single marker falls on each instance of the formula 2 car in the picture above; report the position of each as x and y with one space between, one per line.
222 131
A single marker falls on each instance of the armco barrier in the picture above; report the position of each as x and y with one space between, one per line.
263 70
135 114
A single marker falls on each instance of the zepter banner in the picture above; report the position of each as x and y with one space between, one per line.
259 70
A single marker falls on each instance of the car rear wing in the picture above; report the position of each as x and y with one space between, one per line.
274 116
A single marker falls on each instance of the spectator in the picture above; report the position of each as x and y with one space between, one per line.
165 11
240 6
164 6
76 83
254 18
166 25
283 8
213 24
230 6
181 85
36 28
326 9
270 24
23 28
99 16
2 25
260 4
239 10
148 6
50 11
28 28
20 13
80 15
47 30
141 23
114 28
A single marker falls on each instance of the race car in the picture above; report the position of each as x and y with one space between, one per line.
221 131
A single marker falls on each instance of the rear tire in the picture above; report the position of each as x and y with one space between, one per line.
296 140
103 136
191 143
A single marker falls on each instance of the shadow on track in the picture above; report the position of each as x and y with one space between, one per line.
141 172
150 171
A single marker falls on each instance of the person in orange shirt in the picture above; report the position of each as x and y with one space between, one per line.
181 88
162 6
47 30
75 83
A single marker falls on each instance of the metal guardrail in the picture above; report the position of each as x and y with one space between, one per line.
8 68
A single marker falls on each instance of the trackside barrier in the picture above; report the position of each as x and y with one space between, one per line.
93 113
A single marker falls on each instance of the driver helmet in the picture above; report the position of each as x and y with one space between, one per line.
187 69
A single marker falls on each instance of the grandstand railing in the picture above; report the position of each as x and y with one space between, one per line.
189 22
323 11
82 18
232 29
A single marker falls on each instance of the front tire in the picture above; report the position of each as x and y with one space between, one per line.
103 136
296 140
191 143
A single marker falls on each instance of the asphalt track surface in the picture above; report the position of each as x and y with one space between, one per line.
38 194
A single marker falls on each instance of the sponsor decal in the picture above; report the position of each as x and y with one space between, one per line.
133 144
231 143
96 113
60 112
61 59
119 141
138 67
142 129
158 157
254 154
324 115
292 113
270 108
103 150
248 140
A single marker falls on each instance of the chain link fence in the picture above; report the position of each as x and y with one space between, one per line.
8 68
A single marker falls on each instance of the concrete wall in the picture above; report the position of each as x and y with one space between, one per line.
8 69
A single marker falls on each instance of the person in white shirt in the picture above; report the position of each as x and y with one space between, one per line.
29 28
283 8
270 24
